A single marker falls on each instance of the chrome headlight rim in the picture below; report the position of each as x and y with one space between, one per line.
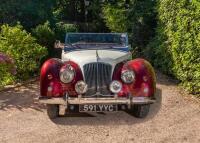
111 86
85 88
67 72
128 71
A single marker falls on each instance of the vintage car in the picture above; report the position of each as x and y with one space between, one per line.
96 73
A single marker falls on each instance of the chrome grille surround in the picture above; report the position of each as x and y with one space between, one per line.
98 77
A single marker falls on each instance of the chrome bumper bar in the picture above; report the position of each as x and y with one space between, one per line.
80 100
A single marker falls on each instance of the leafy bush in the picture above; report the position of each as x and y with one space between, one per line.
62 28
137 18
45 36
22 47
116 17
7 70
176 47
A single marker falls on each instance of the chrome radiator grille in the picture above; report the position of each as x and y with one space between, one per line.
98 78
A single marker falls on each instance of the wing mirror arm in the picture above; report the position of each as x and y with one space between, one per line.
59 45
134 51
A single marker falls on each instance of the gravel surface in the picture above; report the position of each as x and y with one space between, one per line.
173 118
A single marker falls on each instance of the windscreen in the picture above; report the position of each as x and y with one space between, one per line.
96 41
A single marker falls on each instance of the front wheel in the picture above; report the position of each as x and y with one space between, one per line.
140 111
52 111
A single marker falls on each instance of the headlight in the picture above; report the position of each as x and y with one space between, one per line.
128 76
81 87
115 86
67 74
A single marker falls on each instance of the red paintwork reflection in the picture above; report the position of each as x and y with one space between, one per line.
56 88
51 68
144 84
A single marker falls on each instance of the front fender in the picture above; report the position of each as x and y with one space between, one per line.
145 80
49 77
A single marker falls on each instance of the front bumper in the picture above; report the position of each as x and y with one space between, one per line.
80 100
64 102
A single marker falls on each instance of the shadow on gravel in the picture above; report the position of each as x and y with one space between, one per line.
118 118
165 80
25 98
21 98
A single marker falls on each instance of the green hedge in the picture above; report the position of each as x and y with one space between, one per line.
22 47
176 47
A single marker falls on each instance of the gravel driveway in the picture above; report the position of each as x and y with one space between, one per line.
174 118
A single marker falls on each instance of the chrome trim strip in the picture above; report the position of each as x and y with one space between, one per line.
97 78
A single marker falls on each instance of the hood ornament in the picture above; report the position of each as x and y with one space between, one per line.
97 55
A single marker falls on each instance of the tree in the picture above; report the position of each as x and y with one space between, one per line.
132 16
30 13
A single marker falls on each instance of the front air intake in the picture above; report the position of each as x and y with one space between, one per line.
98 77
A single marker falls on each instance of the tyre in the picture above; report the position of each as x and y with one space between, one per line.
140 111
52 111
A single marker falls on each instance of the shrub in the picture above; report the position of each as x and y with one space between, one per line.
22 47
62 28
45 36
7 70
115 17
176 48
136 17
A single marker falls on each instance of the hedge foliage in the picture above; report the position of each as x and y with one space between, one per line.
22 47
176 47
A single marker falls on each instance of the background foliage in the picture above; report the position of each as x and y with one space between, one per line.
166 32
30 13
176 47
137 18
22 47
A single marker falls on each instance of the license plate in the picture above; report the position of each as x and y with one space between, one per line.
97 108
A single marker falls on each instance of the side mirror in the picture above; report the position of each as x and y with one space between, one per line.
58 45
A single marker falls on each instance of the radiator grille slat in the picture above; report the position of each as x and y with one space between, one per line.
104 78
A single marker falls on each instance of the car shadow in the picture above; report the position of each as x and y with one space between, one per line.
165 79
23 97
26 98
116 118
